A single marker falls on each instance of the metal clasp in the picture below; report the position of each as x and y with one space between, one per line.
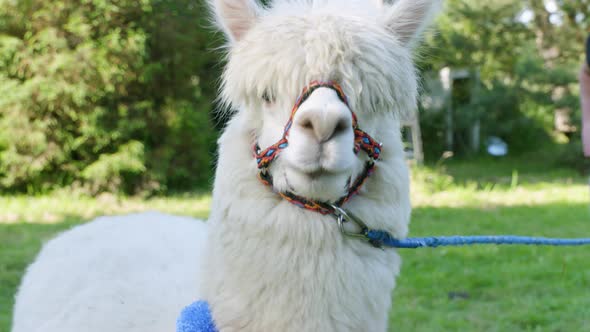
343 217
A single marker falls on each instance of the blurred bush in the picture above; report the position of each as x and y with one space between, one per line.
571 157
105 95
523 57
116 95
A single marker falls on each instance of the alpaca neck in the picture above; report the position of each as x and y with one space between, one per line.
299 275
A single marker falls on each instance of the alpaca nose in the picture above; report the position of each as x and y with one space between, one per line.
325 124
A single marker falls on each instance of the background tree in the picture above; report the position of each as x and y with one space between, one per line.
117 94
527 54
106 95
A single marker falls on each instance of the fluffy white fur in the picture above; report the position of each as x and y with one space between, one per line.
268 265
115 274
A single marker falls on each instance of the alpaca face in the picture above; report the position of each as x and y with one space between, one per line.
319 161
275 52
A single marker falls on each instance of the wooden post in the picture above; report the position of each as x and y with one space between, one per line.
417 140
415 137
447 82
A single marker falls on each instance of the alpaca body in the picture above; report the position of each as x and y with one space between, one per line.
117 274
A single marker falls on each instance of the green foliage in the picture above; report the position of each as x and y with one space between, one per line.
106 94
111 169
527 69
116 94
570 156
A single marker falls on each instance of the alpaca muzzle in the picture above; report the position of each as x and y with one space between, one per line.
362 142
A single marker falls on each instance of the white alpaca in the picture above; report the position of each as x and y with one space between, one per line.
268 265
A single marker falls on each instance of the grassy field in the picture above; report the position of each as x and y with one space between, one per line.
486 288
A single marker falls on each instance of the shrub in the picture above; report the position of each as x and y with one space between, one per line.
106 93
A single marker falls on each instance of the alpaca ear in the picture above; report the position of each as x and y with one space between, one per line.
408 18
235 17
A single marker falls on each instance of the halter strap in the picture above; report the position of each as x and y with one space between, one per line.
362 142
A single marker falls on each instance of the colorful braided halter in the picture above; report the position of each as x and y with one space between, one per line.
362 141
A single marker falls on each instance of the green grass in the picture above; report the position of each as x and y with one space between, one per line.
27 222
485 288
496 288
493 288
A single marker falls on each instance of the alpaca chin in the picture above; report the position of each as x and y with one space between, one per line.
327 187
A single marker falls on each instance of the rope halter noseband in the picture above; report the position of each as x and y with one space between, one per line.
362 142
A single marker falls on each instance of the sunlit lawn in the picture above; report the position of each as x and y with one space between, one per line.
485 288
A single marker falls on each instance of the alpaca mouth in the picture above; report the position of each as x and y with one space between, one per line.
318 173
317 184
314 175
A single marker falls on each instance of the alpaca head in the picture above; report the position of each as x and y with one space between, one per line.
276 51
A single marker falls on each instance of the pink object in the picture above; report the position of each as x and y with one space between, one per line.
585 104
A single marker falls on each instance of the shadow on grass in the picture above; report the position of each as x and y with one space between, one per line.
530 169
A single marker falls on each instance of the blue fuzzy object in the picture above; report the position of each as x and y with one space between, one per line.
196 318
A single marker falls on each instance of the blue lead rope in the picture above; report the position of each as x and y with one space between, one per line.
197 317
379 238
385 239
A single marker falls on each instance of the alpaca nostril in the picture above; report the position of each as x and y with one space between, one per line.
307 124
334 129
341 127
324 128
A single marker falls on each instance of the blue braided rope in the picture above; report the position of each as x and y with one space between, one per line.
383 238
